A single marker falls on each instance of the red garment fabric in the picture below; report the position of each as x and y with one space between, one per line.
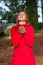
23 53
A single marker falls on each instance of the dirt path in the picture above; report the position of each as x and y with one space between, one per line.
7 51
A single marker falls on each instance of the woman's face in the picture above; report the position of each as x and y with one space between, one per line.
22 18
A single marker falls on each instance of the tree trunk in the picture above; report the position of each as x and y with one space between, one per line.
32 12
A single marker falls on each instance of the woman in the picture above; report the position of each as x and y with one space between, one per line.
22 37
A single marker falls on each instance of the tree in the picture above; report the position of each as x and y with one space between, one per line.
32 12
15 7
42 10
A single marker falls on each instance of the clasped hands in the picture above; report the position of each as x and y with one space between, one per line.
22 30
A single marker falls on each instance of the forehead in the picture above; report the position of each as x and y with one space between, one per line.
22 13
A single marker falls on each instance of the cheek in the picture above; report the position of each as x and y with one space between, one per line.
20 17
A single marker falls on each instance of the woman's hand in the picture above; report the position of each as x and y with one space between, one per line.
22 30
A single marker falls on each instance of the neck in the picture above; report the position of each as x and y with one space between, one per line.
21 24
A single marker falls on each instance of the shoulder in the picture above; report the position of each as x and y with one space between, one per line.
30 27
13 28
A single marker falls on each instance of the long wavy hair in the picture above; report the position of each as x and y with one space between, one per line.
27 20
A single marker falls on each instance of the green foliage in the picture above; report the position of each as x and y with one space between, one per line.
40 25
9 16
8 33
2 34
36 31
9 43
14 9
30 7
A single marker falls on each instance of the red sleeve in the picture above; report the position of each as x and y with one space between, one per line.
29 36
15 37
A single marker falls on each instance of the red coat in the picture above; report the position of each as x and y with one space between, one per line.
23 53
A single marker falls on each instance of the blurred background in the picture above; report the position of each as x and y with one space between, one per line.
9 10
